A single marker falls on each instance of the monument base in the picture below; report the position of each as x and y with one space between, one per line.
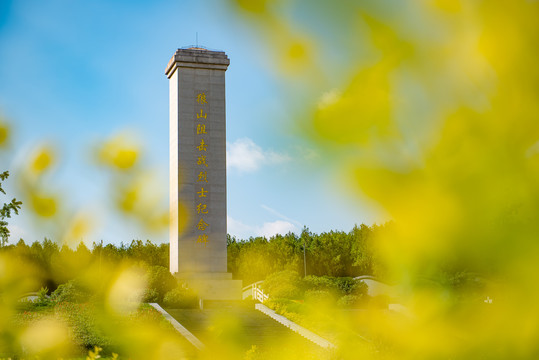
213 286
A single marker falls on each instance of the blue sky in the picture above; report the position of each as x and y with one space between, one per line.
73 73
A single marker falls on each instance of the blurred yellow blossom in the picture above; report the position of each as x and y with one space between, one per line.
43 205
46 337
4 134
120 152
437 122
42 159
126 291
78 227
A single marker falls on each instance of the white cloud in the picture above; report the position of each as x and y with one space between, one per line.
278 214
238 229
246 156
268 229
282 227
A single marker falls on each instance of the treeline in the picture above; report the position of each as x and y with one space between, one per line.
333 253
52 265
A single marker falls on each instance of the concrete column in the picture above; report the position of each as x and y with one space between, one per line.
198 164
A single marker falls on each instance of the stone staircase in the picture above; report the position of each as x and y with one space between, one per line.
307 334
239 327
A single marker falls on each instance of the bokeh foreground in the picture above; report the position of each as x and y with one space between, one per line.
430 109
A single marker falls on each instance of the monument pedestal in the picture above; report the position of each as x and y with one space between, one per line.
213 286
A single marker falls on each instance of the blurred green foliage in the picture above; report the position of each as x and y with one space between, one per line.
95 302
180 298
160 282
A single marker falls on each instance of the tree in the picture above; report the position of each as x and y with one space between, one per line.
6 211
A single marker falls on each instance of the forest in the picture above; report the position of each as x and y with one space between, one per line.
334 253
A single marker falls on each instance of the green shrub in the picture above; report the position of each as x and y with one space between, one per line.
161 281
295 307
277 304
321 297
345 285
181 298
352 301
359 288
339 286
150 296
314 289
85 328
286 291
313 282
282 306
71 291
283 284
43 300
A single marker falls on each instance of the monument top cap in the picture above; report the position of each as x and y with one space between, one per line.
197 57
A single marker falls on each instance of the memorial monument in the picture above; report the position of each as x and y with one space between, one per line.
198 228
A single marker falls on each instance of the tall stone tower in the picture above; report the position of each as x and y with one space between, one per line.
198 251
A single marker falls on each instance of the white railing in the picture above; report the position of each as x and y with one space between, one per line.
307 334
258 293
179 327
